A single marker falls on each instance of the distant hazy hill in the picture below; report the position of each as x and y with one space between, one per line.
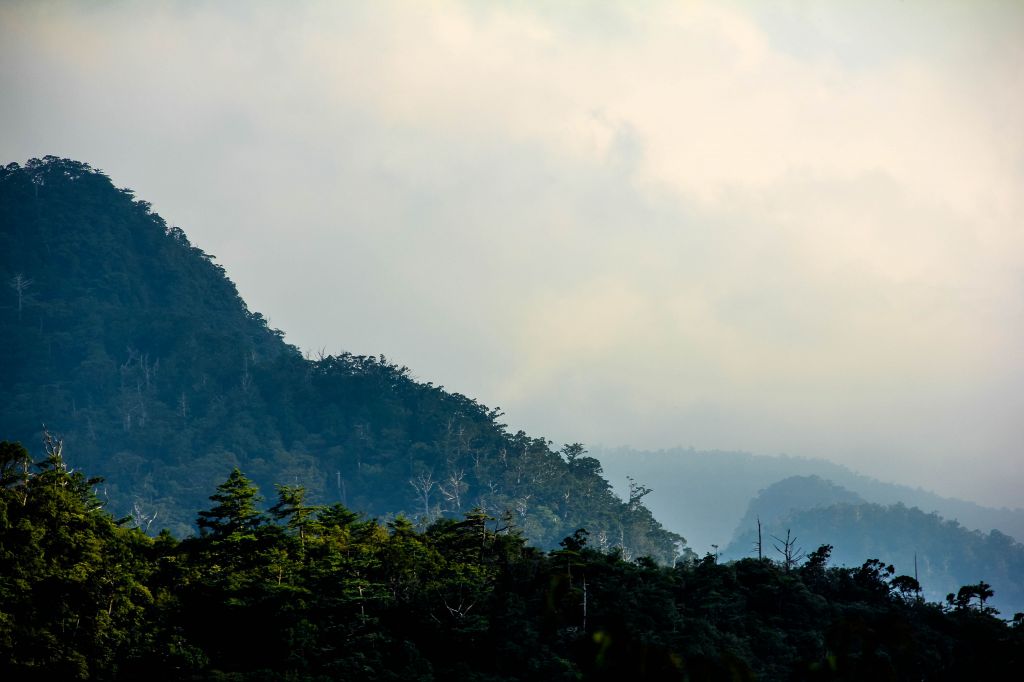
948 555
130 342
705 494
788 496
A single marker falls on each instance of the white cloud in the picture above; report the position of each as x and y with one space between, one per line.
793 230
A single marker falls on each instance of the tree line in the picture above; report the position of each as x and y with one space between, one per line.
298 591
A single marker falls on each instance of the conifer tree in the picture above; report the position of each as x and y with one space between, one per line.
235 511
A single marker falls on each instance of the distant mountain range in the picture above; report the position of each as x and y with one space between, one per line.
704 494
812 512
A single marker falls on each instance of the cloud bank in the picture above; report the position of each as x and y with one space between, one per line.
775 227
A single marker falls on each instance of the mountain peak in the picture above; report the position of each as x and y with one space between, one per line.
136 347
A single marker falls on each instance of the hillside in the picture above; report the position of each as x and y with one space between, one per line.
705 493
134 346
947 555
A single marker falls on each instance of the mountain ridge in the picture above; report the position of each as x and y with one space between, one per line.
689 481
941 553
136 347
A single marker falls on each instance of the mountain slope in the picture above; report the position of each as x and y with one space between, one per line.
705 494
134 346
946 554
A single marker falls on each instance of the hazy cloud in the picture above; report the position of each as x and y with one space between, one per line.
780 227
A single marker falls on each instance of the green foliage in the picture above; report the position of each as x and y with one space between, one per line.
235 513
318 593
133 343
73 598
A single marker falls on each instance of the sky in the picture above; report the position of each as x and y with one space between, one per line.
779 227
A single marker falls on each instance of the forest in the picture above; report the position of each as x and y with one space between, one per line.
405 534
296 591
134 346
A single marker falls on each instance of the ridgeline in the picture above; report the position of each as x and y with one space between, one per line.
134 346
411 536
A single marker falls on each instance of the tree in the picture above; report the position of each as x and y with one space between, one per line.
907 587
291 507
791 554
637 492
235 511
72 605
981 591
423 483
20 284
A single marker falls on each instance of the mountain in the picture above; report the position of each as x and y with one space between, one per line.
132 344
789 496
944 554
705 493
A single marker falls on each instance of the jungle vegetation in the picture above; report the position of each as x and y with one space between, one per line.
294 591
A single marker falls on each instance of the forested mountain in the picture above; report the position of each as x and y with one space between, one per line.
134 346
398 543
304 593
705 493
947 555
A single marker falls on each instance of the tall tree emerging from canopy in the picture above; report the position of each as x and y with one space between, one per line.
235 511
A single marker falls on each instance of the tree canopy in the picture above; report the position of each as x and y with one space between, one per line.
318 593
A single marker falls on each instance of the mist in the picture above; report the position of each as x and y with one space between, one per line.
793 230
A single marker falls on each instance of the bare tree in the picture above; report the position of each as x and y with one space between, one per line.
602 541
148 370
584 602
453 487
20 284
141 519
246 375
423 483
791 554
183 407
627 554
522 504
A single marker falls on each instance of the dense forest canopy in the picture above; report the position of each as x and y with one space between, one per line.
310 592
133 345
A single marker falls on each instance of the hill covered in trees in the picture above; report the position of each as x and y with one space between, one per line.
134 346
414 537
944 554
706 493
301 592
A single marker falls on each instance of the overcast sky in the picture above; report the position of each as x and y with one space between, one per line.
778 226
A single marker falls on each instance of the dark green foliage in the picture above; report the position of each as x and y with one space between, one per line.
73 599
319 593
235 514
133 344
